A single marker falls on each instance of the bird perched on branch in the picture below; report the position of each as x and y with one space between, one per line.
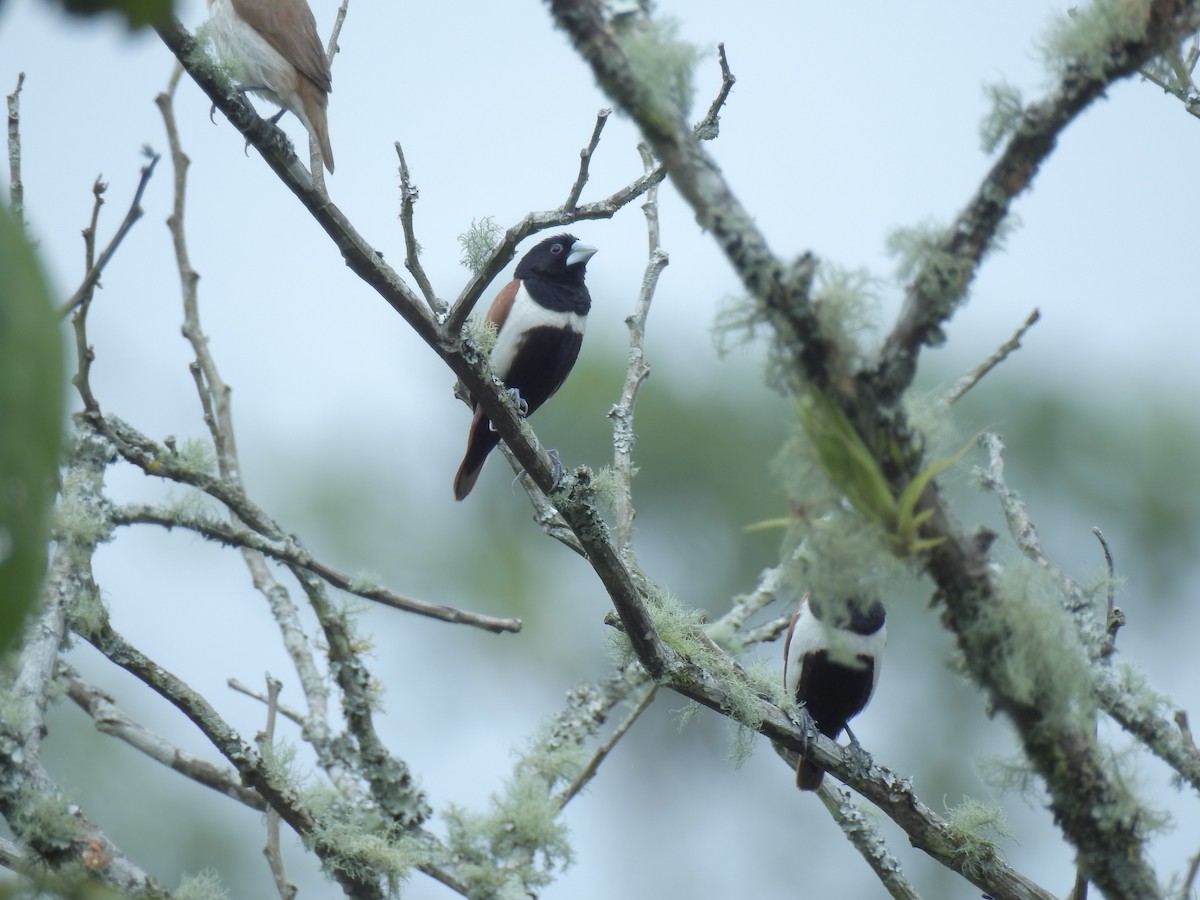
273 49
832 659
540 317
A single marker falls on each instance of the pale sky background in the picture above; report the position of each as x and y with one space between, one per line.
847 120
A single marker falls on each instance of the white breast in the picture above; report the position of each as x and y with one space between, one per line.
525 315
809 635
251 59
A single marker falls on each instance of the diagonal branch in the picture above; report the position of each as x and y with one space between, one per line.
92 277
291 553
111 720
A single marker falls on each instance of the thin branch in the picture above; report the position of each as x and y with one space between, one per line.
927 831
1024 532
215 401
585 159
251 766
1002 353
1134 712
292 553
282 708
412 257
362 258
84 354
1115 617
92 277
111 720
533 223
601 753
392 787
638 370
266 746
708 128
1189 880
942 282
16 188
316 163
866 839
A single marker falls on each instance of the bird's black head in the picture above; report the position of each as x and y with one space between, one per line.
560 258
855 614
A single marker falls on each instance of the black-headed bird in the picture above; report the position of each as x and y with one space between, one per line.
832 659
540 316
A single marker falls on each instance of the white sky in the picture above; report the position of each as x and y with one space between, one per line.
847 120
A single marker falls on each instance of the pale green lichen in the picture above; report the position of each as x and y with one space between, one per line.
1032 648
204 885
362 843
45 821
1089 35
977 824
662 62
196 456
1005 109
478 243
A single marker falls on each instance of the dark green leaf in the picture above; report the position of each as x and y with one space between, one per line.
31 410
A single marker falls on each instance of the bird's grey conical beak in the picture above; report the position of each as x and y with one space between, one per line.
581 253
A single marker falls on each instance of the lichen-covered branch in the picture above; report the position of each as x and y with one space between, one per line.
111 720
1095 810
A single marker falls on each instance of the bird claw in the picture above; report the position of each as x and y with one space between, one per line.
858 760
803 720
558 473
519 402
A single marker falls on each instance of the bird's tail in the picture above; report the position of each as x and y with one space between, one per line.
479 445
314 103
808 775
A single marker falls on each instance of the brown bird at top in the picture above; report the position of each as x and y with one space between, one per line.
273 48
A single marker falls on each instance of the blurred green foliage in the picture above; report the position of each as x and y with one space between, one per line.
31 413
137 13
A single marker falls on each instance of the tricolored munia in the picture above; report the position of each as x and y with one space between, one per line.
540 316
832 659
273 48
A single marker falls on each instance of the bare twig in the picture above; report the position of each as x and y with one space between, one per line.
708 128
532 224
16 188
412 258
601 753
1115 617
111 720
973 377
85 355
92 277
266 746
585 159
638 370
316 163
291 552
282 708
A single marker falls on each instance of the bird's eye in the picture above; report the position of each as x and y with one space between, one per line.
557 248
